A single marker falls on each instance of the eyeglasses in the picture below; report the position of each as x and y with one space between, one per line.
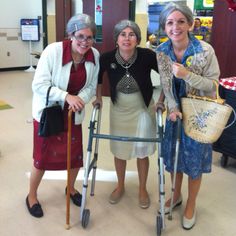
83 38
130 35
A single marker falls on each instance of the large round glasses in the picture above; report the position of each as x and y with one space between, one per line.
84 38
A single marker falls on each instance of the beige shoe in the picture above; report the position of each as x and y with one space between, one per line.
144 203
115 196
189 223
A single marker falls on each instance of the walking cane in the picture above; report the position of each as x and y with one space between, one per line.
68 170
175 167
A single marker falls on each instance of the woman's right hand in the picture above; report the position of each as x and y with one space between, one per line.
179 70
75 102
160 105
174 114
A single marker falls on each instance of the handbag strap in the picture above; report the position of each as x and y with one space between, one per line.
47 98
218 99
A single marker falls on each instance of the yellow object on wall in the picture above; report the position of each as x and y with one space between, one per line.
208 3
142 20
51 28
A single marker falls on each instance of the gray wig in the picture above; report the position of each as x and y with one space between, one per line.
170 8
79 22
124 24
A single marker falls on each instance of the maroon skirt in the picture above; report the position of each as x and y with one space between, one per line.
50 153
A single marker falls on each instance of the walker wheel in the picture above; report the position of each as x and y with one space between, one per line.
159 225
85 218
224 160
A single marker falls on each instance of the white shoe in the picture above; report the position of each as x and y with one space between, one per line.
189 223
177 203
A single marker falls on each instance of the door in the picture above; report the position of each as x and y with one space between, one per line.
63 14
57 22
223 37
112 12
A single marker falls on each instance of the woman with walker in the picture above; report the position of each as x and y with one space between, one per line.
184 63
128 68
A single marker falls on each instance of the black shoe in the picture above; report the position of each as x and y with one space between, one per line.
76 198
36 210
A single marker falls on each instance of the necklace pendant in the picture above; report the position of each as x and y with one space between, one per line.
126 66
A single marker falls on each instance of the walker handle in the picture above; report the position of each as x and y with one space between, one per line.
178 128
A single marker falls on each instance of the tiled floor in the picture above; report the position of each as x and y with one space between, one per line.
216 208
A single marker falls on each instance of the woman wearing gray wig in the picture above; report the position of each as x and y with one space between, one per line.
71 68
119 27
128 68
185 64
171 7
79 22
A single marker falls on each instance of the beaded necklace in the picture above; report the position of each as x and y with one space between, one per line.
126 64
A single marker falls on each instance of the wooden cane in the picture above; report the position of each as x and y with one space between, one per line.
68 170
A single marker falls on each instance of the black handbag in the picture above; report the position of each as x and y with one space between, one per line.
51 121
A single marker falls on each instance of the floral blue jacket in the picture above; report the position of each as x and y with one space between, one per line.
201 61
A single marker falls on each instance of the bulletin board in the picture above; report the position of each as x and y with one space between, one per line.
30 29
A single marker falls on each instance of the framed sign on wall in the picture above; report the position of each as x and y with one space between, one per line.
30 29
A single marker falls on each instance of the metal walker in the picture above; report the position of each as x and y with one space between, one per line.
94 133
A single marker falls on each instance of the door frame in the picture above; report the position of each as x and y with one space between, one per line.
44 23
132 7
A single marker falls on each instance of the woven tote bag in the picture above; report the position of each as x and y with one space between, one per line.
204 118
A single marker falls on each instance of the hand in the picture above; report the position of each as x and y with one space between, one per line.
174 114
98 101
160 105
75 102
179 70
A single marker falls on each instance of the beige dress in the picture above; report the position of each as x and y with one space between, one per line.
130 117
124 117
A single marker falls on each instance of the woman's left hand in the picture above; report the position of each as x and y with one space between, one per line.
179 70
174 114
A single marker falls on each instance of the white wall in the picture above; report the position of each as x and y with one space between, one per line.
141 6
51 7
14 52
77 6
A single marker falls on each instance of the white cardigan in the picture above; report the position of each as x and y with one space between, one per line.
51 72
